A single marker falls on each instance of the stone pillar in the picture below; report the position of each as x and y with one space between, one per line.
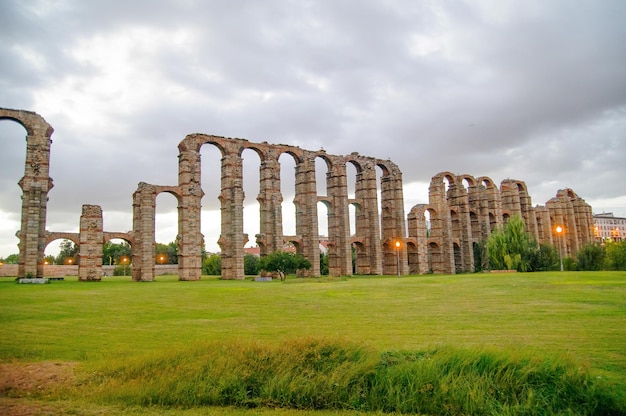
543 225
527 210
367 215
189 237
90 246
441 224
584 220
270 238
340 258
457 197
418 231
144 211
306 211
232 238
35 184
393 219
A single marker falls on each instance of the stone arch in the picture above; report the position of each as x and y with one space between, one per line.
458 259
52 236
362 265
469 179
128 237
412 255
286 192
35 184
435 258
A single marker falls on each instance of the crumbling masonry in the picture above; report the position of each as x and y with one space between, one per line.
462 212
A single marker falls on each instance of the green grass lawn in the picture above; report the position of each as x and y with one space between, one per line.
581 315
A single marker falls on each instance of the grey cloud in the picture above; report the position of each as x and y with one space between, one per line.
535 93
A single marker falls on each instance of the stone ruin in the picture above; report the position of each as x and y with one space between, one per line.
464 215
462 212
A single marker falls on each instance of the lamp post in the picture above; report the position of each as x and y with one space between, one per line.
161 259
398 244
124 262
559 232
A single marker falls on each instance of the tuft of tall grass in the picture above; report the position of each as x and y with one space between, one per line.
330 374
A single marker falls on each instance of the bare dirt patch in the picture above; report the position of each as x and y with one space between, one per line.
22 383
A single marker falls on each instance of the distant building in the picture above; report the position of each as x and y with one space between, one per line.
607 226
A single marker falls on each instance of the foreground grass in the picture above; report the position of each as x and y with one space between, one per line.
580 316
321 374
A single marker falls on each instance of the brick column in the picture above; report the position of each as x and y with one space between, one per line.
189 232
270 238
393 219
144 210
367 220
306 211
441 224
458 198
90 246
418 231
232 238
340 258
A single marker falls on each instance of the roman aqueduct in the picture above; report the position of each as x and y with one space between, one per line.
438 237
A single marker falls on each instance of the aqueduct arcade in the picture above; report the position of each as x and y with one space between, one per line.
442 235
374 231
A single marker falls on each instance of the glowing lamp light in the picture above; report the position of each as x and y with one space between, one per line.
559 230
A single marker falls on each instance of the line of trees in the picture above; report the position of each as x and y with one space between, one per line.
507 248
279 261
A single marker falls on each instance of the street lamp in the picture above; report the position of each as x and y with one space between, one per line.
398 244
161 259
559 231
124 261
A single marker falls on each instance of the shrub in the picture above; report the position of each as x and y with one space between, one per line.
212 265
591 257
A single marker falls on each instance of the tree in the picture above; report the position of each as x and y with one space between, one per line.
615 256
68 252
511 248
323 264
168 251
212 265
112 253
11 259
544 259
250 264
283 263
591 257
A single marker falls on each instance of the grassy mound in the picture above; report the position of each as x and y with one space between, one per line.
328 374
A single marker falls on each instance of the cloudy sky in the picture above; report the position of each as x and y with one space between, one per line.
533 90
